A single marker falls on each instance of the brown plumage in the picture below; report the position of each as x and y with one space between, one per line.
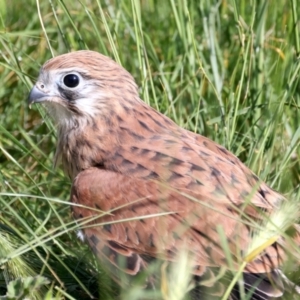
128 162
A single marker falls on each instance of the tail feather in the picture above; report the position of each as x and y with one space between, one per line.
268 286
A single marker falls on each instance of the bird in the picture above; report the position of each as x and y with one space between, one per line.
145 189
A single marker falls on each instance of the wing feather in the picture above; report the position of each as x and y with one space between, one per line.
146 217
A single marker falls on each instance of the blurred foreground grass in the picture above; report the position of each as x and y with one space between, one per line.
226 69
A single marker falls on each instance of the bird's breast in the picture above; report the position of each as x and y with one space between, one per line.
79 150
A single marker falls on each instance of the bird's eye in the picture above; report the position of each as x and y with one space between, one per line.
71 80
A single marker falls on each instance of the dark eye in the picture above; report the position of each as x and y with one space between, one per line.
71 80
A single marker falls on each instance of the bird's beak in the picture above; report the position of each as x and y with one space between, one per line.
37 96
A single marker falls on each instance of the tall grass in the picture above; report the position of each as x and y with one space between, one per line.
225 69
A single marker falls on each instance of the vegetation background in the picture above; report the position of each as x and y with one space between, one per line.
226 69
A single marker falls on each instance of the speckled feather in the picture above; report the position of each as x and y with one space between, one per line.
125 157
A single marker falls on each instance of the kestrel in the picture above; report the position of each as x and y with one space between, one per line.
152 188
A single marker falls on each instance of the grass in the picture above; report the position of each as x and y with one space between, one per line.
226 69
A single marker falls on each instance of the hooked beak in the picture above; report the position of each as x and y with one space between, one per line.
37 96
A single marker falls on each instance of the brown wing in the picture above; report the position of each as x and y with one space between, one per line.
150 146
151 219
193 163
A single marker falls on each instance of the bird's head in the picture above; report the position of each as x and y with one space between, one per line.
82 84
